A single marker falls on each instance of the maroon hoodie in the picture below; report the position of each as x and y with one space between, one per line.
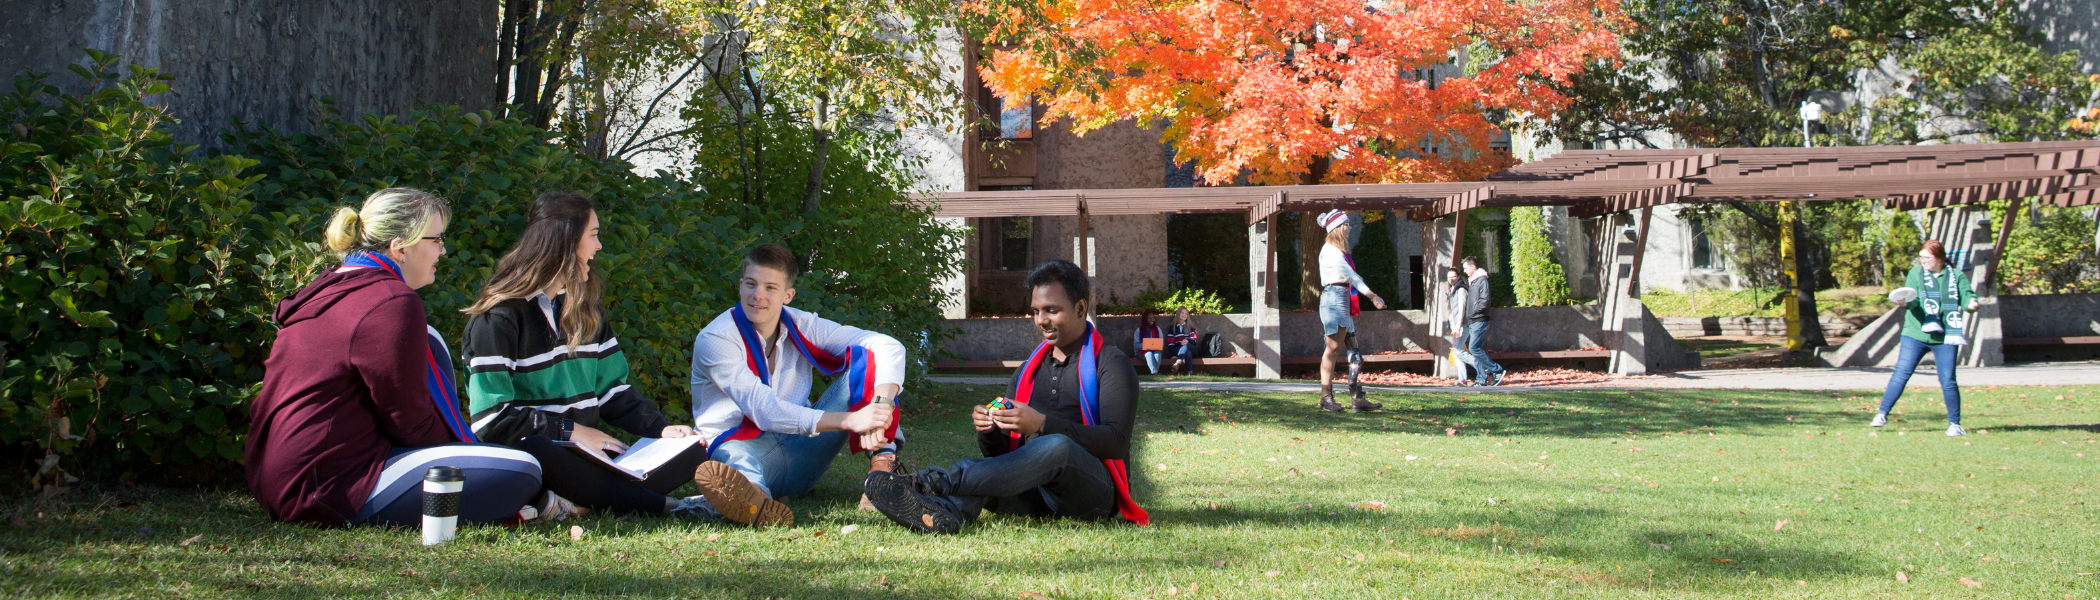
344 383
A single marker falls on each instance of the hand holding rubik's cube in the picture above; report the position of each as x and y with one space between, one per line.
1000 403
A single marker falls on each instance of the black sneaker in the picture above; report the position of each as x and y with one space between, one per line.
897 497
1497 381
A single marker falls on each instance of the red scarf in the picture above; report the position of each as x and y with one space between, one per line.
858 369
1089 409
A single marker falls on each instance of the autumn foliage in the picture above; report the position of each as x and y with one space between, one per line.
1302 91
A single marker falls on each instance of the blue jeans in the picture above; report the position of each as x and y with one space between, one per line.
789 465
1944 356
1048 476
1485 366
1184 353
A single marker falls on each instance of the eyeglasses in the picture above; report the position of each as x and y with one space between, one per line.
436 238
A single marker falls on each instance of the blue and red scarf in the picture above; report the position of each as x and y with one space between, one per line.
1089 409
436 358
857 365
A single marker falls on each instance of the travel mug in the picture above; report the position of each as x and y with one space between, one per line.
441 489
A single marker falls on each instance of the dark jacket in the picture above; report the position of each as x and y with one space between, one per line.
1476 300
522 381
1056 395
343 384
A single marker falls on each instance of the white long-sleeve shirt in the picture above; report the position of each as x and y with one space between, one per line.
1334 268
725 391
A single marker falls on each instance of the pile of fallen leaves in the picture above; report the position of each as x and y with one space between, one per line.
1543 376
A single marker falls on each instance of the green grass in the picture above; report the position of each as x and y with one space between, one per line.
1719 348
1537 494
1869 301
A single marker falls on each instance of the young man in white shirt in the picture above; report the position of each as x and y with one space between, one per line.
751 382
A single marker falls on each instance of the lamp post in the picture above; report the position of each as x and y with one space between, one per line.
1789 220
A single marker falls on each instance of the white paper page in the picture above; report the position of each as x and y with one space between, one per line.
646 454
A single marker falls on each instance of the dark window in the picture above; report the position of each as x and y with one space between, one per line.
1702 246
1015 233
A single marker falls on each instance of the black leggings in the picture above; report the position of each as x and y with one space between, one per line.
591 485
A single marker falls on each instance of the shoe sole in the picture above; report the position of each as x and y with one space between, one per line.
738 499
897 501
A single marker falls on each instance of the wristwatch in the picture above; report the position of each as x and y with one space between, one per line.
568 429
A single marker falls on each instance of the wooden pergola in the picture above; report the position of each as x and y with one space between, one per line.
1600 182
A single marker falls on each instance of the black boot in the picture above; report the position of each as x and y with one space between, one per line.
901 498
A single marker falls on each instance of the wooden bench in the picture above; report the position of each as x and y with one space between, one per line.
2054 341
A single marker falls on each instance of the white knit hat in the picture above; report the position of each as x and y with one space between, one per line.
1333 219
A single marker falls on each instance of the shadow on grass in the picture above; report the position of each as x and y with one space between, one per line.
1557 413
2089 428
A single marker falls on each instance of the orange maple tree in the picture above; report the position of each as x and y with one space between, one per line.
1302 91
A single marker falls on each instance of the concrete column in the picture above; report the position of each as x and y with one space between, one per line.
1261 260
1623 312
1439 253
1985 331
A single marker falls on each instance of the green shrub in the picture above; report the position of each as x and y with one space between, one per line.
668 263
1851 250
1903 238
135 276
1538 278
2051 251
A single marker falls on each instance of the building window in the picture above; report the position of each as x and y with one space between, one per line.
1702 246
1015 233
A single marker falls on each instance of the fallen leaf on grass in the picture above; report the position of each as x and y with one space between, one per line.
1173 591
713 536
1219 564
1271 573
848 529
1902 577
1722 561
1781 524
193 539
1970 582
1450 431
1655 546
575 532
1368 505
1034 596
409 573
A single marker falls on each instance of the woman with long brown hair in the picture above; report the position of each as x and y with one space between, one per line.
545 367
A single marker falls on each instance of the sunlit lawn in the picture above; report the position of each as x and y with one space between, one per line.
1534 494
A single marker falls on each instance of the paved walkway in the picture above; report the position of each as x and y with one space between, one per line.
1851 378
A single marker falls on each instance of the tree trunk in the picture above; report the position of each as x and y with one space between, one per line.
525 86
1805 290
506 51
821 147
1310 238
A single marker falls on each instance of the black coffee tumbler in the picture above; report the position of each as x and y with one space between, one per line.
441 489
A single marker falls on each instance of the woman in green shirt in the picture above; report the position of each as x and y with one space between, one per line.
1933 297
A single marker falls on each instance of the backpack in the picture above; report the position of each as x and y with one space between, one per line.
1213 345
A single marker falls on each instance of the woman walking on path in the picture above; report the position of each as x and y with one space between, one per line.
1338 308
1933 297
1458 324
357 400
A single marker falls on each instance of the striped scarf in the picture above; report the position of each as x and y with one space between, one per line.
1089 414
856 365
437 358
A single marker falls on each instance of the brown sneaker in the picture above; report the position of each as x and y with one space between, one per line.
738 499
886 462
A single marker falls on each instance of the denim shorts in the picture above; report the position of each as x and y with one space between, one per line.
1334 310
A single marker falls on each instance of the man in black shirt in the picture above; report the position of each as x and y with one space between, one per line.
1050 454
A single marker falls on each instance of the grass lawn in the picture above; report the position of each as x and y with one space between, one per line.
1538 494
1712 348
1868 301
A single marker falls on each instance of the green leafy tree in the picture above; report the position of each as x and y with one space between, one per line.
1539 278
1903 240
2051 251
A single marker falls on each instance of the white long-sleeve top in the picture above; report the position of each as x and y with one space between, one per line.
725 391
1334 268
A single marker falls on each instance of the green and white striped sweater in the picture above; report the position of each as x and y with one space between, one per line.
522 380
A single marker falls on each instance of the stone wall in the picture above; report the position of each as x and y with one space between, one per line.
2051 315
266 62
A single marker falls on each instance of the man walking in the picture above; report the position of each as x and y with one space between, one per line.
1476 309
